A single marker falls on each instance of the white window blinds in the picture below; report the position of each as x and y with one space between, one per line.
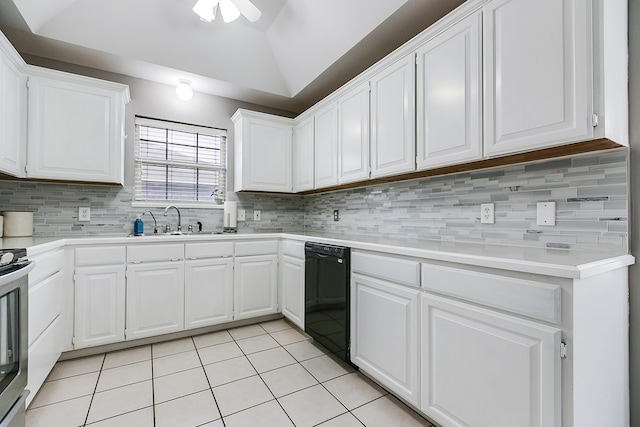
178 163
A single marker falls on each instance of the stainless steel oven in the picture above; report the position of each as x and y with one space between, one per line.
14 305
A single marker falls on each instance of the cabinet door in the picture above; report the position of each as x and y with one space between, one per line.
265 148
538 83
303 156
255 283
155 299
292 288
74 132
326 146
353 136
392 119
99 305
208 292
13 118
386 346
487 369
449 97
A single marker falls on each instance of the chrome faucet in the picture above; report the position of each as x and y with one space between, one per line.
166 212
155 223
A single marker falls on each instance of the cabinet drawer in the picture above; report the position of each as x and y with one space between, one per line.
293 248
526 297
208 250
404 271
45 304
102 255
267 247
155 252
46 264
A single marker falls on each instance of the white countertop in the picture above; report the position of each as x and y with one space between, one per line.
565 263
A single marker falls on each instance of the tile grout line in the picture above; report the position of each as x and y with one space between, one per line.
153 388
209 382
86 418
262 379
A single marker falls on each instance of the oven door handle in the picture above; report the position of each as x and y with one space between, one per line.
15 410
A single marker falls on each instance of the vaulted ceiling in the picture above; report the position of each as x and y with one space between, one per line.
299 51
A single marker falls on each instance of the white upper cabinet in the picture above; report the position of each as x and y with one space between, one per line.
537 74
449 97
75 127
392 119
326 146
13 115
353 135
263 152
303 155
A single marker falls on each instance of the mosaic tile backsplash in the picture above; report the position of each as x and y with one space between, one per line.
590 191
55 210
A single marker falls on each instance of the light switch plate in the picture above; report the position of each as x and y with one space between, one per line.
241 215
547 213
84 213
257 215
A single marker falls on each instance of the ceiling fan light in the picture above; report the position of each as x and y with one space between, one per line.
204 9
248 10
229 10
184 91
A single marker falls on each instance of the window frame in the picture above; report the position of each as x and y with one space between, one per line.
180 127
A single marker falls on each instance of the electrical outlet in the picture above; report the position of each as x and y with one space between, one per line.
241 215
546 213
257 215
84 214
487 213
336 215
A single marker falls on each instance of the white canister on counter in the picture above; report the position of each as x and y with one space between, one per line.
18 224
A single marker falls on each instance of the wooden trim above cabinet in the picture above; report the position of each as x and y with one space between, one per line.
602 144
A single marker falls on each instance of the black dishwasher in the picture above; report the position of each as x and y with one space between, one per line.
326 317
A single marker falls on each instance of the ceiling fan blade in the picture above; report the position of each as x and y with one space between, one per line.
205 9
229 10
248 9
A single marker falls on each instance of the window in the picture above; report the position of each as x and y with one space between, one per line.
179 164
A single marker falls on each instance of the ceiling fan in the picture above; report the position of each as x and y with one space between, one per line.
230 10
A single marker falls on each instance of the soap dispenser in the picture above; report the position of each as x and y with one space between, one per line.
138 226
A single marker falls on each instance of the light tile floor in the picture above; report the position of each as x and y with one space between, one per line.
267 375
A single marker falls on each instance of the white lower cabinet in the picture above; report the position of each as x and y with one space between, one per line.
482 368
384 334
292 288
99 305
208 292
155 298
48 317
256 286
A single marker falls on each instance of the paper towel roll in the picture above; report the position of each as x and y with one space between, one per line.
230 214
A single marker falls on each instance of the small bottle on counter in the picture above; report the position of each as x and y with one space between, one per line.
138 226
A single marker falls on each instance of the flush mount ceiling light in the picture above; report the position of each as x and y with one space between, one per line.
183 90
230 10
